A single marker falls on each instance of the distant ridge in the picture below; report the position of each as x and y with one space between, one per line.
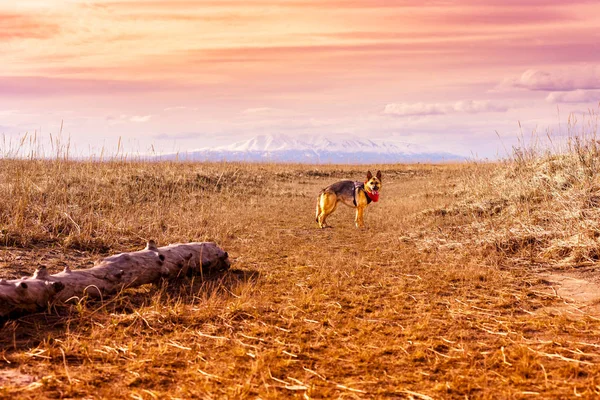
315 150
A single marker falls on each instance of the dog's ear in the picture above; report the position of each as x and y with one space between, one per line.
369 175
378 175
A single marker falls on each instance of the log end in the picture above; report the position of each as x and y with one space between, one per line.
214 259
224 261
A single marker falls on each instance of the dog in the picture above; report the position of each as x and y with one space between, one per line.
353 194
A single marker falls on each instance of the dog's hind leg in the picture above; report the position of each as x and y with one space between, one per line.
327 204
318 208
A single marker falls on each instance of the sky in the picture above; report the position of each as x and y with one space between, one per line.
464 76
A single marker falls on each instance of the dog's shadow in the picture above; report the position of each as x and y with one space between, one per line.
29 330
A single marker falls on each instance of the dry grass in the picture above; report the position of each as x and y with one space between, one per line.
442 296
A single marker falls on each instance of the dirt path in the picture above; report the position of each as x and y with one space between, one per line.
579 294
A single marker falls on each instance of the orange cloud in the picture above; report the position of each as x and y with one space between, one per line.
219 40
21 26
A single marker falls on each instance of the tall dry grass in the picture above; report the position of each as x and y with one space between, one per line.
541 203
441 297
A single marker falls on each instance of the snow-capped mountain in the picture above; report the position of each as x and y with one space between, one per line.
282 148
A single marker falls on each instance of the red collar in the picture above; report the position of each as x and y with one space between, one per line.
374 197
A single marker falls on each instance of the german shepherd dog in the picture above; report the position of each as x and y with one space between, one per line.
354 194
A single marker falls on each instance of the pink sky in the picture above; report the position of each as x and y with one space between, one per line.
178 75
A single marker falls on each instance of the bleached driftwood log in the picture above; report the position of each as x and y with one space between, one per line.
111 275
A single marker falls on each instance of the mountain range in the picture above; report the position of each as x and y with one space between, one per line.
315 150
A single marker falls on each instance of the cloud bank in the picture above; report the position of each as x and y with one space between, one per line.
465 106
575 78
575 96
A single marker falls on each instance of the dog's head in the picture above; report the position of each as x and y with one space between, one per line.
373 183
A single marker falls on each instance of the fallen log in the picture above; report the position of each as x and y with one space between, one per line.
111 275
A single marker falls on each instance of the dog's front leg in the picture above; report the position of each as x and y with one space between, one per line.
358 220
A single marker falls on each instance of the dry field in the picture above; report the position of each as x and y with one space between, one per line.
471 281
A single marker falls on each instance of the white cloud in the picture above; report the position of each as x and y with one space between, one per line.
116 120
140 118
412 109
258 110
124 118
6 113
267 111
565 79
465 106
270 113
177 108
480 106
575 96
